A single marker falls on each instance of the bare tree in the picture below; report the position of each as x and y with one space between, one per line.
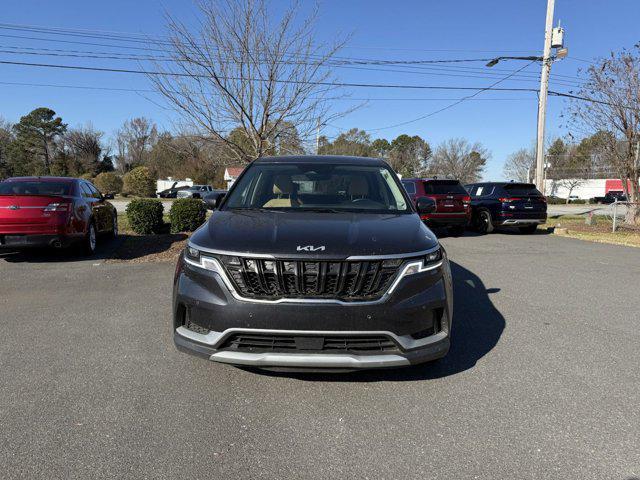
613 86
520 165
242 69
84 147
133 142
459 159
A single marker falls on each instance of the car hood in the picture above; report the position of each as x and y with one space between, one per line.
313 235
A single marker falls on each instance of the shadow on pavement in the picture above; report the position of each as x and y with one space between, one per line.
125 247
477 327
104 249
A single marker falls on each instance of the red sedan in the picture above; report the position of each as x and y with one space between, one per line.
53 211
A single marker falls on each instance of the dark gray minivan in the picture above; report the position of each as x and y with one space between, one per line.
314 262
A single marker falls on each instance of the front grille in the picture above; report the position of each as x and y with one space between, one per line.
343 280
261 343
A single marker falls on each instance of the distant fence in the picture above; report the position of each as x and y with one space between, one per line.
618 211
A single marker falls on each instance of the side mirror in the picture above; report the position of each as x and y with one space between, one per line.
213 201
107 196
425 205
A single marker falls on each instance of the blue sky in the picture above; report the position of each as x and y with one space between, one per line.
380 29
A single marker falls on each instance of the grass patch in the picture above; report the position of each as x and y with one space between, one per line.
574 226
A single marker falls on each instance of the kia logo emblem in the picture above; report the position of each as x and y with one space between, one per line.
310 248
14 207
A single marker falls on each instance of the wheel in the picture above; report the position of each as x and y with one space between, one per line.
484 223
89 243
114 227
528 229
456 230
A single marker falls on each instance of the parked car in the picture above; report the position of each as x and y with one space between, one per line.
507 204
453 203
196 191
611 197
314 262
172 192
54 211
214 196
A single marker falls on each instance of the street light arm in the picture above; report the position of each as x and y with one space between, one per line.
530 58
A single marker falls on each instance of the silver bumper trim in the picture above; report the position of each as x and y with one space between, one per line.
536 221
215 339
302 360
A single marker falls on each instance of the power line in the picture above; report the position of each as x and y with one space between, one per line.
332 84
146 90
101 56
143 37
457 102
345 60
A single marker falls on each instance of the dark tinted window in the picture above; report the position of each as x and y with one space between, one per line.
444 187
35 188
480 190
410 187
521 189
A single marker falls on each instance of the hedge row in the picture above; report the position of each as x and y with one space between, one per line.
145 215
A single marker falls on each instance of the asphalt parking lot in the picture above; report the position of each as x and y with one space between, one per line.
542 381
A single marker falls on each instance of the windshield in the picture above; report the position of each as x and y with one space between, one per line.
35 188
444 187
319 187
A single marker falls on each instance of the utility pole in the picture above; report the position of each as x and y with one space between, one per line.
318 137
542 101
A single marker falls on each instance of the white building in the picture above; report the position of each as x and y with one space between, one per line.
231 174
584 189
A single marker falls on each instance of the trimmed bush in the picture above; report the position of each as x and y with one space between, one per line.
139 182
86 176
145 215
108 182
187 214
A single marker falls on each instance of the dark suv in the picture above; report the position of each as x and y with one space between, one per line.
506 204
314 263
453 209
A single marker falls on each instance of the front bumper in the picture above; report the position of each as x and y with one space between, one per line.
416 318
424 350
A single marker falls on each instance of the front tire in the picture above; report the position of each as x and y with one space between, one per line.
529 229
484 222
89 242
114 227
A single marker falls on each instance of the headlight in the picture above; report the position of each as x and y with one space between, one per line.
194 257
433 257
431 260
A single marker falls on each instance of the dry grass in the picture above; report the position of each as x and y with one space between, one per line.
162 247
574 226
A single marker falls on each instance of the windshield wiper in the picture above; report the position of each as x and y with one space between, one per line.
321 210
254 209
